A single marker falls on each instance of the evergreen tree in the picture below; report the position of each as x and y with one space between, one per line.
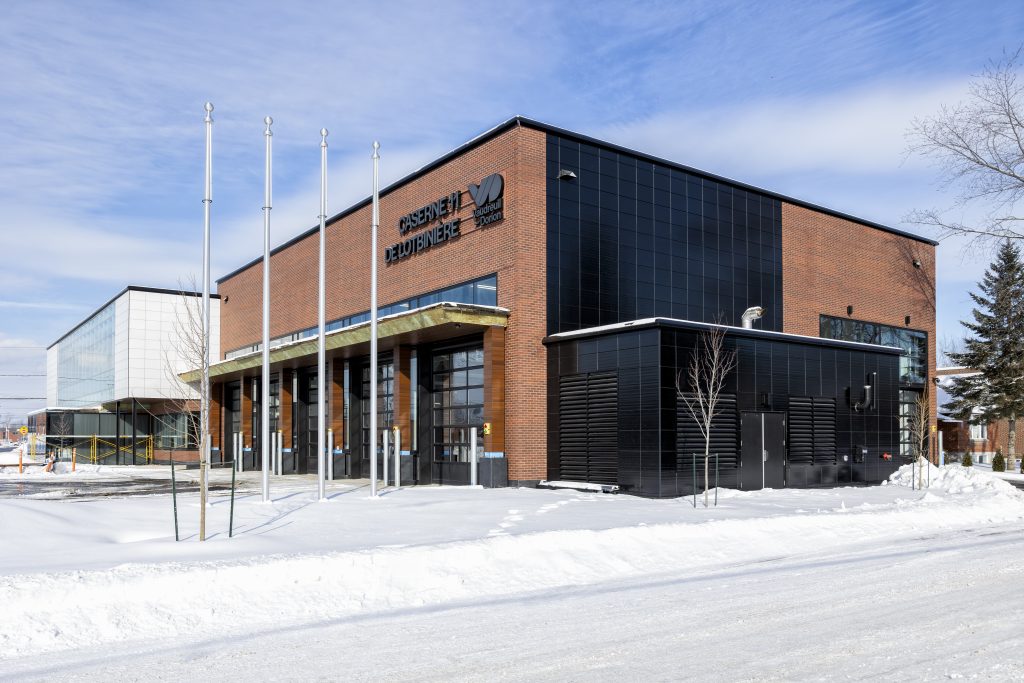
995 349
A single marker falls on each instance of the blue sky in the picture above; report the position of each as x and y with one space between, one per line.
102 135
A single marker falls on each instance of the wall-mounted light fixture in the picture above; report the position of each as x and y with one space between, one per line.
849 310
906 320
566 174
917 263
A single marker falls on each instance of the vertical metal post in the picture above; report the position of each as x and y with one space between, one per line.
942 453
384 435
330 454
265 381
716 479
231 514
204 390
135 435
280 451
398 458
472 457
373 320
321 361
694 479
174 499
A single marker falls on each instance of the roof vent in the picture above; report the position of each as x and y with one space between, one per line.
750 315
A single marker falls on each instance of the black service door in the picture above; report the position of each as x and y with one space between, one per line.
775 450
763 452
751 452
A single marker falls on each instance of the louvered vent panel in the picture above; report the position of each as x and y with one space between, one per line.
588 427
824 431
724 436
812 430
602 428
801 430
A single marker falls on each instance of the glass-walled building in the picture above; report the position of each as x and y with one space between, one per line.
547 289
113 390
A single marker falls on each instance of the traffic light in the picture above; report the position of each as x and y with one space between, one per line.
487 428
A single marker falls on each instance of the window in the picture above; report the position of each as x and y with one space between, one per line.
458 398
385 403
908 414
482 292
979 432
176 430
913 362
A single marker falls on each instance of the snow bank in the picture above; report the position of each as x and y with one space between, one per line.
196 599
34 469
953 479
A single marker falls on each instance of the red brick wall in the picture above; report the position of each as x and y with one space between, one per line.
829 263
513 248
957 438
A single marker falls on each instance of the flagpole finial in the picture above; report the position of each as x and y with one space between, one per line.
209 109
376 146
323 137
269 121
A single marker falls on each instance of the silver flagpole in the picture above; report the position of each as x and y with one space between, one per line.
265 382
373 324
321 357
204 391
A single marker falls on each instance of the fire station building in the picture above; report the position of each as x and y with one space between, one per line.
554 286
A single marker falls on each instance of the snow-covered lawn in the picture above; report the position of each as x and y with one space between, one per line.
78 577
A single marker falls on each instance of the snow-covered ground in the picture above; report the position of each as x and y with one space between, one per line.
436 583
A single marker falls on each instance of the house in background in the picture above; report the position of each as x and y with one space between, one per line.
962 436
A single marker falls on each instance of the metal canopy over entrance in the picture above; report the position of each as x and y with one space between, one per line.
431 391
430 324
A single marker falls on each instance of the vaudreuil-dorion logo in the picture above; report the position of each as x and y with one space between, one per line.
490 205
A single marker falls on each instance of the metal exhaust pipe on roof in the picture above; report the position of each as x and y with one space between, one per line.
750 315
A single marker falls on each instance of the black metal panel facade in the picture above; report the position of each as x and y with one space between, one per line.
628 238
808 381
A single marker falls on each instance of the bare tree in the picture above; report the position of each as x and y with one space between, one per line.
978 146
920 423
186 351
710 364
949 344
63 427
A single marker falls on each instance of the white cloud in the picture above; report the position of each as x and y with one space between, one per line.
858 131
40 305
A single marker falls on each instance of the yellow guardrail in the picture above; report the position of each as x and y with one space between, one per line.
100 448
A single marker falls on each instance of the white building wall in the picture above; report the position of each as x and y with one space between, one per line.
121 345
157 324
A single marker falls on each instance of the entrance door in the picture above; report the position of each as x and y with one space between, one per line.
306 457
385 412
763 451
232 420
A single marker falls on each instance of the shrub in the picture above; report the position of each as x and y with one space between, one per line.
998 461
967 461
